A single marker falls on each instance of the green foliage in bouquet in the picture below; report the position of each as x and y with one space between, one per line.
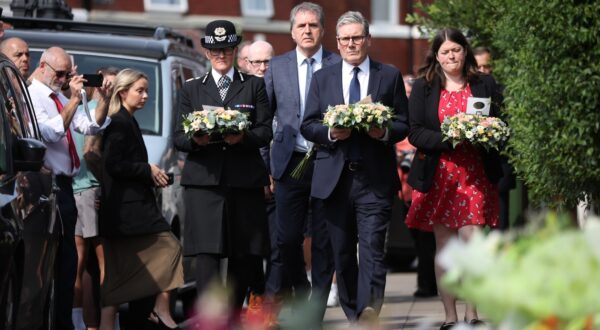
546 55
215 121
544 277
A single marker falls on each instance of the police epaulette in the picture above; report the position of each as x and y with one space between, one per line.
205 77
241 76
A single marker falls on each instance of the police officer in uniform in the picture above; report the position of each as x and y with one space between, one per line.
224 175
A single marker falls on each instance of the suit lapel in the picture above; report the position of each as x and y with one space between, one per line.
478 89
338 98
211 90
292 74
374 80
235 87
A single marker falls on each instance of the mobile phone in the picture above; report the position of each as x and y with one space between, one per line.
93 80
171 179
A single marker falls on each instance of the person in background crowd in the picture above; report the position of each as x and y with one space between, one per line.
483 56
241 60
424 240
224 174
259 56
454 188
58 114
355 175
288 80
17 50
86 186
142 256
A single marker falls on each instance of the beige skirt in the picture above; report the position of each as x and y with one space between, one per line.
140 266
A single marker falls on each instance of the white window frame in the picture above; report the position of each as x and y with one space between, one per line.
393 9
182 7
248 10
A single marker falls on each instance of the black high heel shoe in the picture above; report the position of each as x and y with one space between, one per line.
161 325
474 321
447 325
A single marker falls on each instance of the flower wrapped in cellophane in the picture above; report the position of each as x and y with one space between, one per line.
488 132
360 116
543 277
213 121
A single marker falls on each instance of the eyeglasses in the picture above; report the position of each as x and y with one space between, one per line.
219 51
60 74
258 63
357 40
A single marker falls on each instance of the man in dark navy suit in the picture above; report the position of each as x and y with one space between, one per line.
287 81
355 175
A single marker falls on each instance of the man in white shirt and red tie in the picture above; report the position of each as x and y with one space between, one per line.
58 116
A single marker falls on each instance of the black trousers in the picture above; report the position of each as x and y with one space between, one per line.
67 253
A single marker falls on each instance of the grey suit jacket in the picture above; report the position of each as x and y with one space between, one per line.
284 95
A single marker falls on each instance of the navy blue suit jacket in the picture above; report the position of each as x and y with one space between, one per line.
378 157
284 95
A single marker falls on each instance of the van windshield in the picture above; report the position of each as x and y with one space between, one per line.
150 117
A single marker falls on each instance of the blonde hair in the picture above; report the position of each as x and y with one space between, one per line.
124 80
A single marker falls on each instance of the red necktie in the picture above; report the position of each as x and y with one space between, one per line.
72 149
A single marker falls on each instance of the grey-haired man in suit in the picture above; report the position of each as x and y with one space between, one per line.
287 81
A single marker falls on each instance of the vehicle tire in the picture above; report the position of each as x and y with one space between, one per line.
10 300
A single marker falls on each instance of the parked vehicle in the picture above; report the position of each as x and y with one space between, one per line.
29 227
166 57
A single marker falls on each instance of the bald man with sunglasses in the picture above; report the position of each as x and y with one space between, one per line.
58 115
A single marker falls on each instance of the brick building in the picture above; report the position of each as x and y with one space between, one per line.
394 42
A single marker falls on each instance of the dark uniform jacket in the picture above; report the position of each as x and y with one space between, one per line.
218 163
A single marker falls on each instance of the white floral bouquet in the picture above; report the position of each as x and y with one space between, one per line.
544 277
361 116
488 132
213 121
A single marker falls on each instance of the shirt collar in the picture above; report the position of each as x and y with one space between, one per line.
364 66
216 75
318 56
43 87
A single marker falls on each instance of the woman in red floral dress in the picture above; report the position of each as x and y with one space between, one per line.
454 188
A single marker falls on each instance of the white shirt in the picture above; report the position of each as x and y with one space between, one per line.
363 78
52 127
216 75
301 144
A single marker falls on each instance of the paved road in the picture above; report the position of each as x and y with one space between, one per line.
400 309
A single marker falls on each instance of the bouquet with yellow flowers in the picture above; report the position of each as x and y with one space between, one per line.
543 277
488 132
360 116
213 121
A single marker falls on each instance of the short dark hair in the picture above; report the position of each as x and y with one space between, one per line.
481 50
432 70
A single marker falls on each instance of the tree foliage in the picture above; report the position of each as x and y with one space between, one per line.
548 57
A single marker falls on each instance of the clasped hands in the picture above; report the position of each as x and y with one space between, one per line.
230 139
344 133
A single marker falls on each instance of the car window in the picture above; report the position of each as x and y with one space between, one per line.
6 107
150 117
21 123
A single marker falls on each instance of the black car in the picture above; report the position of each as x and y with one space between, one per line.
29 227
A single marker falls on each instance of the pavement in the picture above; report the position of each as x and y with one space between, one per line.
400 309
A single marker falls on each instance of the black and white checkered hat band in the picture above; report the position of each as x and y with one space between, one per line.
211 40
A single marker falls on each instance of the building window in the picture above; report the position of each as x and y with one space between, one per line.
384 12
257 8
176 6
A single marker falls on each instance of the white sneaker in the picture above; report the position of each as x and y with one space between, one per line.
333 299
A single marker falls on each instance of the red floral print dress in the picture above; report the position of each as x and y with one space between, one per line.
461 193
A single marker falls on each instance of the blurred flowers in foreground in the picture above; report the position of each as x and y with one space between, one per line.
545 276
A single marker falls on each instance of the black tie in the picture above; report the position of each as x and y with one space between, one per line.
354 87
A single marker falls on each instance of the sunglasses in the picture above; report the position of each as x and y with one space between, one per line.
60 74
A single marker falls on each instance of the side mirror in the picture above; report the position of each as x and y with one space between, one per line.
29 155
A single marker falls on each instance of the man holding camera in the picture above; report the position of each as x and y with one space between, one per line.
59 116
